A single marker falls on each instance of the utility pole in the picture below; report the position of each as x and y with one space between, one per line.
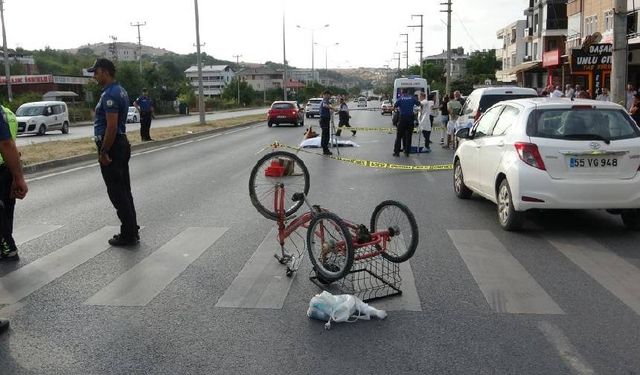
113 48
397 58
407 48
419 46
7 65
284 60
448 11
238 77
619 55
199 60
138 24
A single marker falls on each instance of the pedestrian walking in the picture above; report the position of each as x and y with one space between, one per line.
404 104
145 107
12 184
454 108
425 123
115 150
325 122
343 117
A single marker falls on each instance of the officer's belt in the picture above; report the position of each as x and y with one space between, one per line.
99 138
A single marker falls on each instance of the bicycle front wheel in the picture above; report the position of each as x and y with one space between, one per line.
401 224
274 169
330 247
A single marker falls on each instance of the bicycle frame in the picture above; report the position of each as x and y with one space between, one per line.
285 231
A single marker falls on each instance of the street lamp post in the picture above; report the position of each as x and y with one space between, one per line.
199 62
326 53
237 76
313 70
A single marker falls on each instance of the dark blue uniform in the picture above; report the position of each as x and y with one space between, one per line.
7 244
146 109
325 121
114 99
404 105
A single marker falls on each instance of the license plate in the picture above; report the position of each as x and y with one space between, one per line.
282 116
593 162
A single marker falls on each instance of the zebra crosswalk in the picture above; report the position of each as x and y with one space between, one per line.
505 283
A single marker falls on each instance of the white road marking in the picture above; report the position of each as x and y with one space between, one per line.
565 349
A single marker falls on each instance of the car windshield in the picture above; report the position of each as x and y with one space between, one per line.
486 101
30 111
282 106
581 124
132 109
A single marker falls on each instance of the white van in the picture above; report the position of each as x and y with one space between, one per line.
40 117
413 84
362 101
482 98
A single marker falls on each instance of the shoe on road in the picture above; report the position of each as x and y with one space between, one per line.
120 240
327 152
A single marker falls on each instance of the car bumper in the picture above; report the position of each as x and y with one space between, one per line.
283 120
27 129
574 194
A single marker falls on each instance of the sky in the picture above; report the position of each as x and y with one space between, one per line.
367 32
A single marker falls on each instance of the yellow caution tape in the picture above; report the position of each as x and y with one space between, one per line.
389 130
374 164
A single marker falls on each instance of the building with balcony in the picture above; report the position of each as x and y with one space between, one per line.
513 50
214 78
261 78
458 62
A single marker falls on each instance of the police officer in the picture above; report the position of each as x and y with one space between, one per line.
12 186
325 121
145 107
343 117
404 105
114 149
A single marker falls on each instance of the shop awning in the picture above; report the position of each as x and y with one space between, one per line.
523 67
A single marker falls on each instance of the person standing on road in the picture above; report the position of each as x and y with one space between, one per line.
12 186
454 108
444 116
343 117
145 107
404 104
115 150
424 121
325 122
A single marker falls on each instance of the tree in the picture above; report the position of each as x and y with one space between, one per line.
482 65
247 93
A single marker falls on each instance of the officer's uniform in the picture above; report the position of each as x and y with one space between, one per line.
405 105
325 121
114 99
146 105
8 130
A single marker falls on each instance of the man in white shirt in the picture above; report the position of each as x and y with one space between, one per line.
557 93
631 91
604 96
424 120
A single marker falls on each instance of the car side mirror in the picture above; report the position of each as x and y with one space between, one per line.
464 133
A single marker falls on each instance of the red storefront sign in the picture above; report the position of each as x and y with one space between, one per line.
551 58
26 80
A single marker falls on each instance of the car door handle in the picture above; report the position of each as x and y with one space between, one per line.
500 144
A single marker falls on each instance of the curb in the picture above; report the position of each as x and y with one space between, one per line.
41 167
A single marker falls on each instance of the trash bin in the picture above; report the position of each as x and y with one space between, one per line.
183 108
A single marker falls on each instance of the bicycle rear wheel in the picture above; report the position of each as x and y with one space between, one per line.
399 220
275 168
330 247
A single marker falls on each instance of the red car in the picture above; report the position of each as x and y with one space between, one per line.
282 112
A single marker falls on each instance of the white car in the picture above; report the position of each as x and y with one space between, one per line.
542 153
41 117
362 101
133 115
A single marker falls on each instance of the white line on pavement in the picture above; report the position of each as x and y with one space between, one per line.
565 349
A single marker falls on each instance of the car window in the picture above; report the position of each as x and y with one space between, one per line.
507 118
488 100
486 122
282 106
581 124
469 105
57 109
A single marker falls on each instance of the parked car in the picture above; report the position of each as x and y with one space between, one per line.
282 112
313 107
133 115
362 101
551 154
481 99
41 117
386 107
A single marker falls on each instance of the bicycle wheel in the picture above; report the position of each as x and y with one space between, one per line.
398 219
279 167
330 247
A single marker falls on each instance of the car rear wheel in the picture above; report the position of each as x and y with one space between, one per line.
509 218
631 219
461 190
65 128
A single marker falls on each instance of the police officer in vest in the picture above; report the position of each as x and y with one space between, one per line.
114 149
404 105
325 122
145 107
12 186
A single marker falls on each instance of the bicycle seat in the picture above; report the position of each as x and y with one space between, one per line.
296 197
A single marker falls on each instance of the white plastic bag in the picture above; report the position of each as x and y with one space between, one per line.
341 308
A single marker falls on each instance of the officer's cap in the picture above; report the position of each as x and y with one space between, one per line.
103 63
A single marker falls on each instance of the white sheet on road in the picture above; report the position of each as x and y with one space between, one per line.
315 143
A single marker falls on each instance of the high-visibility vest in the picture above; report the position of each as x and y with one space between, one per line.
10 118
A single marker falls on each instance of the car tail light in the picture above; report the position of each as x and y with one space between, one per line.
528 153
477 116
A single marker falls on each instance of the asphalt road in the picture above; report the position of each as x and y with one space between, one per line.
200 296
86 131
